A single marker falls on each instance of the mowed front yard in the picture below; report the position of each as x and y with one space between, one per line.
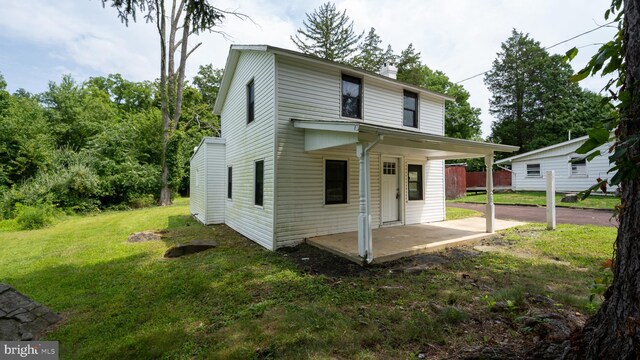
124 300
539 198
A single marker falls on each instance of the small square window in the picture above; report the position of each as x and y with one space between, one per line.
388 168
578 166
533 170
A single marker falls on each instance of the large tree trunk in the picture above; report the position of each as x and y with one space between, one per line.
614 332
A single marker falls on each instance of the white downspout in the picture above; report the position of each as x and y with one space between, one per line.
365 245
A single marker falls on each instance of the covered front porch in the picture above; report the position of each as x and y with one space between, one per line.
364 139
394 242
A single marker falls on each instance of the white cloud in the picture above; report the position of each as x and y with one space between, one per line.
459 37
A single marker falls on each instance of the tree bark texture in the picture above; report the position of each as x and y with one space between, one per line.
614 332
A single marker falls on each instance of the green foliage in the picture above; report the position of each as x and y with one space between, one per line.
83 147
533 100
370 55
461 119
327 34
34 217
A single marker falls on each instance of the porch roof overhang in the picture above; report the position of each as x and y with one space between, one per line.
321 135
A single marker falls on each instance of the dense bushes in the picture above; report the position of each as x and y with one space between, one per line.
79 148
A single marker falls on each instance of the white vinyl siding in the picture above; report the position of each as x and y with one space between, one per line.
196 184
208 181
247 143
313 92
558 160
432 207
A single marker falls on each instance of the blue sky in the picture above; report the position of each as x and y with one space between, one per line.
40 40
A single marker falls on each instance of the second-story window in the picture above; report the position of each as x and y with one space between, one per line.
351 97
251 97
410 114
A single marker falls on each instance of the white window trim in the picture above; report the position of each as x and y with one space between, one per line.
424 180
526 170
324 180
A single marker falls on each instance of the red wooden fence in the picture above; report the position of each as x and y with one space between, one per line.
456 181
479 178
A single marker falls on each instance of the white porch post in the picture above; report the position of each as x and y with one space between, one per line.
363 223
365 244
490 213
551 200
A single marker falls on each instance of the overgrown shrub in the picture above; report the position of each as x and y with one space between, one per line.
34 217
142 201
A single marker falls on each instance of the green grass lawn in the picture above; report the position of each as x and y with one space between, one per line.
124 300
539 198
458 213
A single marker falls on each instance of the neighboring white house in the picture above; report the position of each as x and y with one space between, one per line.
312 147
572 171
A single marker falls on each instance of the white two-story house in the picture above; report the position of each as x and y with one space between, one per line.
311 147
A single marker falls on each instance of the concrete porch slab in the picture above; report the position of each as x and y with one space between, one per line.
394 242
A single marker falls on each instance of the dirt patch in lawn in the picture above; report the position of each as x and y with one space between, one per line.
312 260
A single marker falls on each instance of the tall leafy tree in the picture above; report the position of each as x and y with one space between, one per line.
410 66
461 119
614 331
533 101
370 55
327 33
176 22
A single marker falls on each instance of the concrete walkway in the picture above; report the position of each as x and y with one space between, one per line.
394 242
564 215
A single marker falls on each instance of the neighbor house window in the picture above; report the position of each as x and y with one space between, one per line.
229 182
335 182
533 170
415 182
351 97
251 97
410 114
578 166
259 183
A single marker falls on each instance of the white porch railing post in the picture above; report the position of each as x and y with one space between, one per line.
551 200
362 216
490 213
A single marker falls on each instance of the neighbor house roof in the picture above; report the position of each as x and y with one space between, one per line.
234 55
541 150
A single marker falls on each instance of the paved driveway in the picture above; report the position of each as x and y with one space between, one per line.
539 214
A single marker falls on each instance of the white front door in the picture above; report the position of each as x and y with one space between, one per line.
390 190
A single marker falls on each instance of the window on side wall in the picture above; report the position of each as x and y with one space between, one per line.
351 97
414 173
335 182
229 182
578 166
251 97
410 113
259 183
533 170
